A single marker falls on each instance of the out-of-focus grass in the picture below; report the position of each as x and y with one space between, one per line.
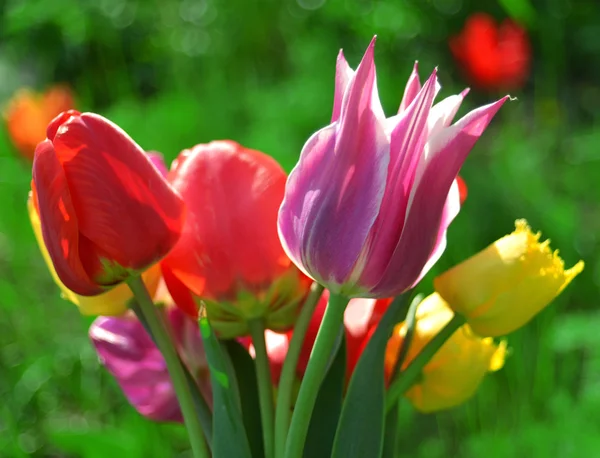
265 79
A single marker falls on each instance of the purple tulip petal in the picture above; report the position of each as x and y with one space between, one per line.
343 75
451 210
339 181
413 86
407 142
158 161
129 354
442 113
438 169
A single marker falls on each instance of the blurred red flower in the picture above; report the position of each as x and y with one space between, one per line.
493 57
28 114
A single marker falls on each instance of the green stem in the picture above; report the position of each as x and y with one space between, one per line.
165 345
408 376
288 371
315 372
265 385
410 323
202 409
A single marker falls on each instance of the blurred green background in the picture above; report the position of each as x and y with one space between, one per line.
174 73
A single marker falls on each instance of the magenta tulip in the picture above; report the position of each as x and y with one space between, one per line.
129 354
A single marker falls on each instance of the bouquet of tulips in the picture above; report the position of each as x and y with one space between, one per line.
273 315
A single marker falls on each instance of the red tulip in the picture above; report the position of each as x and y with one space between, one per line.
29 113
229 254
105 209
493 57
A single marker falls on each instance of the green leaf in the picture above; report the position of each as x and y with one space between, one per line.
360 430
325 416
229 435
390 437
245 373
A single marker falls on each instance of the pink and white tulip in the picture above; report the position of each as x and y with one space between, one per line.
367 206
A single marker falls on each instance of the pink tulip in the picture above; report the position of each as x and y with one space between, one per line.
367 206
129 354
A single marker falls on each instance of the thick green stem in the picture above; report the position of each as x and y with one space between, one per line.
408 376
288 371
315 372
265 385
165 345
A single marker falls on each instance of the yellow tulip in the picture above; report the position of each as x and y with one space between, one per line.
112 302
504 286
457 369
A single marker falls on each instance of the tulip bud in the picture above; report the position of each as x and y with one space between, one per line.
367 206
457 369
129 354
106 212
504 286
29 113
229 255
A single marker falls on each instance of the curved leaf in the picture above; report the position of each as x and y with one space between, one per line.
361 427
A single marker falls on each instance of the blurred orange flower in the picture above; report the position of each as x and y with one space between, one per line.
493 57
29 113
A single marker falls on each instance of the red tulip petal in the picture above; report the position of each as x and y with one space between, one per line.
462 189
123 204
59 221
180 294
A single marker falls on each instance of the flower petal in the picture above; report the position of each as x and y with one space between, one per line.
60 226
436 173
407 143
343 75
413 86
129 354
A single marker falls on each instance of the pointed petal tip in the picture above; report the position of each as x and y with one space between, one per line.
432 80
371 46
464 92
369 56
501 101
